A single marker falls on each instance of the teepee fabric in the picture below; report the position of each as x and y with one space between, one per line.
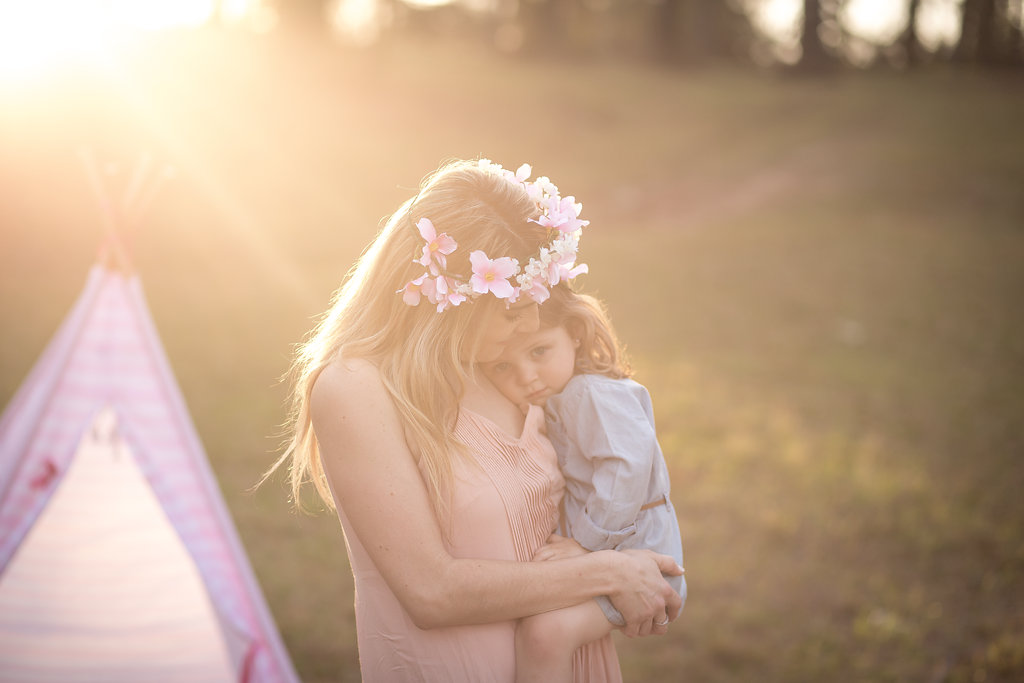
118 558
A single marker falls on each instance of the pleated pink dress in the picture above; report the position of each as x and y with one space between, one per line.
504 509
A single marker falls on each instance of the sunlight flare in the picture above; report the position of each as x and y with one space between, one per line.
876 21
38 36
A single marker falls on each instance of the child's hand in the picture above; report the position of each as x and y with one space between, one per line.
558 548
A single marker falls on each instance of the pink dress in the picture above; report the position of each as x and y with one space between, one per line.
504 509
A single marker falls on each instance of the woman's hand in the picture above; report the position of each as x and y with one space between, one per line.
647 602
559 548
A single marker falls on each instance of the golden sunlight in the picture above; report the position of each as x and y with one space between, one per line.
34 36
41 35
878 21
357 21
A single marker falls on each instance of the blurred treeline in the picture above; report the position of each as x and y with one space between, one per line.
676 32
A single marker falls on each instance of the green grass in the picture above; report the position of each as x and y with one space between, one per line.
819 281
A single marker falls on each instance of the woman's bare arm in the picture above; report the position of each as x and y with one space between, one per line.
374 477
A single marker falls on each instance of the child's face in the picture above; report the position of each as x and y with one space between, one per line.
534 366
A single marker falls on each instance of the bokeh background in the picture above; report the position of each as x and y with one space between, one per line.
807 219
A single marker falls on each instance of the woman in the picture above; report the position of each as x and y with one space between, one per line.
444 488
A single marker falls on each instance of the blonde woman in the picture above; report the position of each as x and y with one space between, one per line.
444 488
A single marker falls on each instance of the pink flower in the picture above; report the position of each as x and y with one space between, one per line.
556 272
448 295
541 188
413 290
454 298
562 213
429 288
491 275
578 270
538 292
438 289
563 268
519 177
437 246
546 186
442 291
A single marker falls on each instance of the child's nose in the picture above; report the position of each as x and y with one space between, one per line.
525 374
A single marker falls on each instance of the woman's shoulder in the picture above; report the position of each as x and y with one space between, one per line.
346 384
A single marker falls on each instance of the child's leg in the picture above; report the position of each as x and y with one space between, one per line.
545 643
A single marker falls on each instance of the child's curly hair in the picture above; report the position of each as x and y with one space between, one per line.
585 318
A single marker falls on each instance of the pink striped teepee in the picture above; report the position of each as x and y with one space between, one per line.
118 558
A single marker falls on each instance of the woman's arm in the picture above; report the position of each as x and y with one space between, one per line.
375 479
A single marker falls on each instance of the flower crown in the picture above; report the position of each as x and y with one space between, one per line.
502 276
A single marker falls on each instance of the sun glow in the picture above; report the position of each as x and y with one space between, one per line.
878 22
41 35
33 37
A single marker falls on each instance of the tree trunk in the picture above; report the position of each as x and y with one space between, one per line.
988 34
1015 41
666 30
814 56
911 46
966 47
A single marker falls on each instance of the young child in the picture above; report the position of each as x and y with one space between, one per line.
616 482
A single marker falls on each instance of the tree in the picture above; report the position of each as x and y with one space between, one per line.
911 46
694 31
546 26
987 39
989 33
1015 41
666 30
814 55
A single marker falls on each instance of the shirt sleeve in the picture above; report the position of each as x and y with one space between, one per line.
611 429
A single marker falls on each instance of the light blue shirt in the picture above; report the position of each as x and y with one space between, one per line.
603 431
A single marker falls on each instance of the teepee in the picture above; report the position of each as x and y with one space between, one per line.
118 558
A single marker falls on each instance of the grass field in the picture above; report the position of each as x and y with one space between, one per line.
820 281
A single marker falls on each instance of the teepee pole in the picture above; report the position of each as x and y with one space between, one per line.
113 245
135 185
136 206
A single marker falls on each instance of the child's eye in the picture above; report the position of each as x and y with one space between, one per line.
500 367
538 351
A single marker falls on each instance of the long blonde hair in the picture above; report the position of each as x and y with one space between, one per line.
419 353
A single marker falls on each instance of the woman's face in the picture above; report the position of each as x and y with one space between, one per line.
499 325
